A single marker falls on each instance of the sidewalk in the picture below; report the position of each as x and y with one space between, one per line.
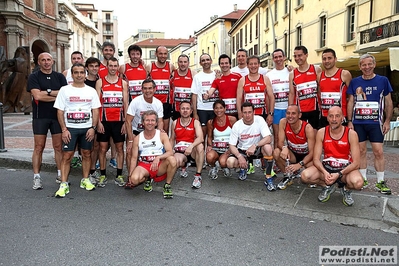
371 209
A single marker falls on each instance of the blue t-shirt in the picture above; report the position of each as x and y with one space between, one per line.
369 99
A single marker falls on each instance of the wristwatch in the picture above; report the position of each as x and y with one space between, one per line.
301 163
94 127
271 113
49 91
340 175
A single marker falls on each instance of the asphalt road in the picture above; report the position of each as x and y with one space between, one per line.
114 226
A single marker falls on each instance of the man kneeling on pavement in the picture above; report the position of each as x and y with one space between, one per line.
154 154
250 139
340 162
298 152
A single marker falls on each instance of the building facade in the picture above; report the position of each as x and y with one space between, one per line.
37 24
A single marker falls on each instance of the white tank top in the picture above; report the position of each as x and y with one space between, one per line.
150 148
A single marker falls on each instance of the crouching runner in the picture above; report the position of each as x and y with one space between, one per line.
152 157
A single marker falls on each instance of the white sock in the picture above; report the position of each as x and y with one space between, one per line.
380 176
59 172
76 154
363 172
36 175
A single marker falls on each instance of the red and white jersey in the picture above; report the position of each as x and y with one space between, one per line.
161 77
111 101
134 77
297 142
337 152
332 92
305 84
255 93
181 86
227 87
184 136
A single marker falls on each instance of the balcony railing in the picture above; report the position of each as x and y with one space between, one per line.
379 32
108 32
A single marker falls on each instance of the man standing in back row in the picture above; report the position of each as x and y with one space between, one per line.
160 71
333 83
303 87
366 116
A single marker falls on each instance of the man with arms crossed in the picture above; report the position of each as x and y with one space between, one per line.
44 86
295 145
77 113
341 159
154 154
366 116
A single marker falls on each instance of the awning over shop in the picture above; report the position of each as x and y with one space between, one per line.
394 58
382 58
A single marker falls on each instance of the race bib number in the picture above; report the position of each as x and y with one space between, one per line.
334 165
149 155
112 99
281 95
182 94
182 146
231 105
162 86
78 117
307 90
257 99
367 111
298 148
330 99
135 87
220 146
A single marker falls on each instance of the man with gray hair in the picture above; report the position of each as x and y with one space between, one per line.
366 116
152 156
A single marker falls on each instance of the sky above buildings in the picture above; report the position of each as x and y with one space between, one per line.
177 18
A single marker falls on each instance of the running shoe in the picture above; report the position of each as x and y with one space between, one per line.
97 165
312 185
325 193
197 181
383 188
167 192
257 163
270 185
58 180
62 191
347 199
85 183
251 169
37 183
120 180
242 175
183 172
287 181
226 172
148 185
113 163
213 173
103 181
94 177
